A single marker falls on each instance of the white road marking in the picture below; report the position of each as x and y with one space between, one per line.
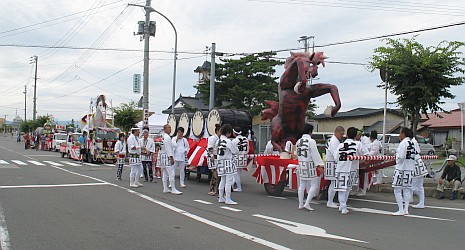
53 163
71 163
4 235
190 215
19 162
111 165
3 162
393 203
232 209
203 202
55 185
303 229
37 163
9 166
376 211
277 197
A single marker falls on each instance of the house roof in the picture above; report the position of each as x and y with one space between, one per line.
447 120
391 126
359 112
189 101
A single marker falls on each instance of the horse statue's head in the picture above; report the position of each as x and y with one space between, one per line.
100 103
311 61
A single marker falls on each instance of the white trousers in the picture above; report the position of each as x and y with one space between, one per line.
403 202
136 170
418 189
237 178
343 196
312 187
182 173
168 175
331 191
225 186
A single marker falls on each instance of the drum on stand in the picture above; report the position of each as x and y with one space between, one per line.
229 116
172 121
184 121
198 123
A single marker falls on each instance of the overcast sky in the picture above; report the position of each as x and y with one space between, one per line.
69 77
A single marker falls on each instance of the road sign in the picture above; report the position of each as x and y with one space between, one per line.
146 117
136 83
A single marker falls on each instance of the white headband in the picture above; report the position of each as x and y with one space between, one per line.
237 132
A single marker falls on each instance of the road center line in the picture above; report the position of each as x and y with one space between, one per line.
56 185
190 215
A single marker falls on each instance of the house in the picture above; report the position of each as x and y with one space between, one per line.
366 119
187 104
441 126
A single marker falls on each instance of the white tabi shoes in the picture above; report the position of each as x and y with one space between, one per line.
332 205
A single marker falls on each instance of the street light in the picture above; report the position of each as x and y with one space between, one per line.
461 106
151 9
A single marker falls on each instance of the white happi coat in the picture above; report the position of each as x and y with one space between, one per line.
150 146
347 171
330 163
213 144
134 142
166 151
181 148
120 147
375 148
226 150
405 164
242 144
308 157
420 167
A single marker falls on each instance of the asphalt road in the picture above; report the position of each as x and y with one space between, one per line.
45 203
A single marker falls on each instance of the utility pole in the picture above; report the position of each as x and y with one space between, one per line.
145 103
211 104
305 40
34 112
25 110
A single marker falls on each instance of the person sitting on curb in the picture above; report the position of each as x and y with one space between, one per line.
450 177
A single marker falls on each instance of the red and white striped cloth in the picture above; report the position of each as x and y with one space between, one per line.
384 157
271 169
197 154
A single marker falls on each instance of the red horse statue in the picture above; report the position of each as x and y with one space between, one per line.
288 116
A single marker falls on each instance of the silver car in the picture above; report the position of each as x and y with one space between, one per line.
393 140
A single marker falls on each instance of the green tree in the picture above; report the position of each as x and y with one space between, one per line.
244 83
420 76
126 116
30 126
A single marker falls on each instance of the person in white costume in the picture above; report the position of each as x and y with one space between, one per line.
181 148
166 161
120 151
211 158
225 167
347 171
134 148
148 150
418 176
269 149
240 159
309 160
403 173
330 164
375 150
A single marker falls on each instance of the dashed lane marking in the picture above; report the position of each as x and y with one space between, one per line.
71 163
3 162
54 163
19 162
203 202
37 163
232 209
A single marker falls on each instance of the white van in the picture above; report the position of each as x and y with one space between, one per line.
58 138
393 140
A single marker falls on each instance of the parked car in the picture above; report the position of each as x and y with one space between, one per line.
393 140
